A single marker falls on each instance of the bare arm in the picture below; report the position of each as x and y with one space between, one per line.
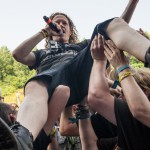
87 135
99 96
66 127
23 53
138 102
129 10
54 144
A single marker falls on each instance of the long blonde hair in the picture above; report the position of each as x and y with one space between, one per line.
142 77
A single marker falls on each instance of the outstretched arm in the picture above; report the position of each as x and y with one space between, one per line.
138 102
99 97
129 10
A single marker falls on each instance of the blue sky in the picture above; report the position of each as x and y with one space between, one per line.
20 19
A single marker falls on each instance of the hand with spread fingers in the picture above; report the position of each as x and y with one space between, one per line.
115 56
97 48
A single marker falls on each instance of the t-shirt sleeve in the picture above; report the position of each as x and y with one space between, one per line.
37 54
84 43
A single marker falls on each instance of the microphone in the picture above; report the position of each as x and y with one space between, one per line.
51 24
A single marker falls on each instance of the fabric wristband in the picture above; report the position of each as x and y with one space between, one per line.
124 75
116 82
53 131
122 68
44 33
81 113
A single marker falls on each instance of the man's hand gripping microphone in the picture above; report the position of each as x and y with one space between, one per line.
52 25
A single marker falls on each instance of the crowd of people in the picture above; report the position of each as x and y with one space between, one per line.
73 87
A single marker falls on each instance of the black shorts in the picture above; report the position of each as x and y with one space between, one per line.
74 74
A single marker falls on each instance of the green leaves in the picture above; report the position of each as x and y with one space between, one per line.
13 74
135 63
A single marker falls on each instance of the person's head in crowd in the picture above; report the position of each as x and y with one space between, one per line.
70 34
142 77
15 106
8 113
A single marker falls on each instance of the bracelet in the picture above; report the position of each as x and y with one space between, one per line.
44 33
116 82
124 75
53 131
122 68
82 113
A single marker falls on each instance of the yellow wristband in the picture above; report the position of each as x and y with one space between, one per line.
124 75
44 33
53 131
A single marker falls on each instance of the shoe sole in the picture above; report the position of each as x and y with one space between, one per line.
7 139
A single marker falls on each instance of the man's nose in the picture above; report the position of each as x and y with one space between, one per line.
60 23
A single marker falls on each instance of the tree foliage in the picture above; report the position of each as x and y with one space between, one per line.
13 75
135 63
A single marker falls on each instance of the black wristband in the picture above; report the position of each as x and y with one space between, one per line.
82 112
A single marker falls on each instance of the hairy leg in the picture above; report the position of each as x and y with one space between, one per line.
128 39
33 111
56 105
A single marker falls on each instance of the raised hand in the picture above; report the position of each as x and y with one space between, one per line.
115 56
97 48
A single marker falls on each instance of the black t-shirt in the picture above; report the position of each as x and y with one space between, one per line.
65 64
132 134
57 54
105 131
102 127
